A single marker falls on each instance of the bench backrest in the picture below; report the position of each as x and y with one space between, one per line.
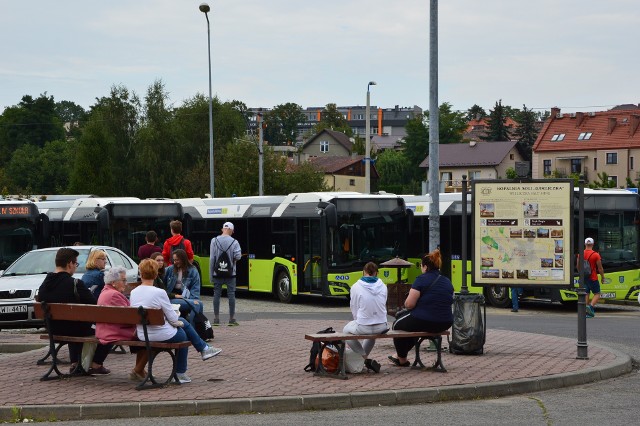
95 313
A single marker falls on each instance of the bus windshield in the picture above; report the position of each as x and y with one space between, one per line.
16 238
616 235
367 237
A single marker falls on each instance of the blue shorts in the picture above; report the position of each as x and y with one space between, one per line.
592 286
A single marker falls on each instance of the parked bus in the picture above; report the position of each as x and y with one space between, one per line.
611 217
117 222
22 228
309 243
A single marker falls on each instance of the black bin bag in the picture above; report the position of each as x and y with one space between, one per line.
469 330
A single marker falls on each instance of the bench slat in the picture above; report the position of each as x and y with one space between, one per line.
96 313
330 337
92 339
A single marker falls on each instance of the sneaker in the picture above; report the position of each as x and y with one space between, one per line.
591 311
183 378
100 371
233 323
209 352
514 310
137 377
216 322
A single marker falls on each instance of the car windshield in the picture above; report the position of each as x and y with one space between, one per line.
39 262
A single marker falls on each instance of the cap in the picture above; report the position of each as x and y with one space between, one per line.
227 225
586 241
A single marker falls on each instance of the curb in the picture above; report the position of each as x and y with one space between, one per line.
14 348
621 365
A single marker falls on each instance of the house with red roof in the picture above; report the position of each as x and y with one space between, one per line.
589 143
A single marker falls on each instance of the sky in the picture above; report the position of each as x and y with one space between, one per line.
576 55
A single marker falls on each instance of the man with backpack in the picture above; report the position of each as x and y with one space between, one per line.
176 241
592 267
225 252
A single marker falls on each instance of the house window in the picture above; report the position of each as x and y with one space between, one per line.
576 165
359 116
612 158
546 164
474 174
584 136
324 146
595 163
630 163
445 177
352 182
614 179
557 137
511 156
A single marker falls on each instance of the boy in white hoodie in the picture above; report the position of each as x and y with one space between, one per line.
369 309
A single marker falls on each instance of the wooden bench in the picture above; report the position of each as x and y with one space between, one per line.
339 340
112 315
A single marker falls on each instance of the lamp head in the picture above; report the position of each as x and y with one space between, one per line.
372 83
204 8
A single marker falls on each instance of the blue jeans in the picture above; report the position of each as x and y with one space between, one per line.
231 294
186 332
515 292
189 305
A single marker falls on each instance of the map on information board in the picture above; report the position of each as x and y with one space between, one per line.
522 232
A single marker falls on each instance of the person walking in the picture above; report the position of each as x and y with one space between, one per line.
224 244
591 283
176 241
516 292
147 249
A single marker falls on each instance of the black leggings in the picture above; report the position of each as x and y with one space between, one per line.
75 350
411 323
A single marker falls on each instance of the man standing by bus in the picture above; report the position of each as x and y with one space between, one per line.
225 253
591 283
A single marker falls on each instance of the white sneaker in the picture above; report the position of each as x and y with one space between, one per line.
183 378
210 352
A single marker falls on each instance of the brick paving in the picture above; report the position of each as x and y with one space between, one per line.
265 358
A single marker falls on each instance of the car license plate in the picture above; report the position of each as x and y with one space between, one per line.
608 295
12 309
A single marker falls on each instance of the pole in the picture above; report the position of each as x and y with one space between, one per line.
583 347
367 142
205 9
434 131
260 166
463 288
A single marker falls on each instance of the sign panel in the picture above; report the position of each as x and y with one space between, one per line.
522 232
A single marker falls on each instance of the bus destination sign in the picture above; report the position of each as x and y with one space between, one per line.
15 211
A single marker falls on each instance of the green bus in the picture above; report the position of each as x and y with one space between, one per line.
611 217
306 243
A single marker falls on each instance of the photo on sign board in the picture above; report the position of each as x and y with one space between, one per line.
557 233
507 274
490 273
559 260
529 233
559 246
522 274
515 233
546 262
487 262
543 233
487 209
530 209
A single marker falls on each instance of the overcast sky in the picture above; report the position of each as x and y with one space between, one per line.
578 55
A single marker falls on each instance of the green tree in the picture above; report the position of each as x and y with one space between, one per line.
70 111
475 112
452 124
416 144
32 121
282 124
395 172
497 128
526 133
331 118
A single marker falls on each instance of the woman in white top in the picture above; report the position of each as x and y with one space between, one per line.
173 330
369 309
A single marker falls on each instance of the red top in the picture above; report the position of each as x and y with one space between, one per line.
174 241
592 257
146 250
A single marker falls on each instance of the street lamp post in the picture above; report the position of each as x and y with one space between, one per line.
367 136
260 155
204 8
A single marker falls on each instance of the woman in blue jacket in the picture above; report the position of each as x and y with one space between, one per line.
430 300
93 278
183 285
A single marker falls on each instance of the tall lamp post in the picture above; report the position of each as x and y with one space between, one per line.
367 136
204 8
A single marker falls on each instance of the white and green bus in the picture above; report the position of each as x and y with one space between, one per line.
306 243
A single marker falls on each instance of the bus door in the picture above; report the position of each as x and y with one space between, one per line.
309 263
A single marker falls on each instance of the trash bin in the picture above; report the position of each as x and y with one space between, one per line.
469 330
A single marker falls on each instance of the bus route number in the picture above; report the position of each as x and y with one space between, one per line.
14 211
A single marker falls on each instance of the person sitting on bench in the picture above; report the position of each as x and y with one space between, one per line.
430 300
369 309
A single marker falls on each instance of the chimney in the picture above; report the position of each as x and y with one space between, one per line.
611 125
554 112
634 121
579 118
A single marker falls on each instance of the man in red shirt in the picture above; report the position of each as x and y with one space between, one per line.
176 241
591 283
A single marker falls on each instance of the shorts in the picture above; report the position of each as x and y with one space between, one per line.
592 286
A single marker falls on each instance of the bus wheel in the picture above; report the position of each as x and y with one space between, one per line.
498 296
283 286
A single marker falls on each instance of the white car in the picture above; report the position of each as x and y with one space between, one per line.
20 282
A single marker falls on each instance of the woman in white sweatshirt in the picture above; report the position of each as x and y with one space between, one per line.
369 309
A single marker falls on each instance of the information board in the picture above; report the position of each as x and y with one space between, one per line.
522 232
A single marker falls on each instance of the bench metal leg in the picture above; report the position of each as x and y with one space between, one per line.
438 365
43 360
53 351
341 372
153 384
